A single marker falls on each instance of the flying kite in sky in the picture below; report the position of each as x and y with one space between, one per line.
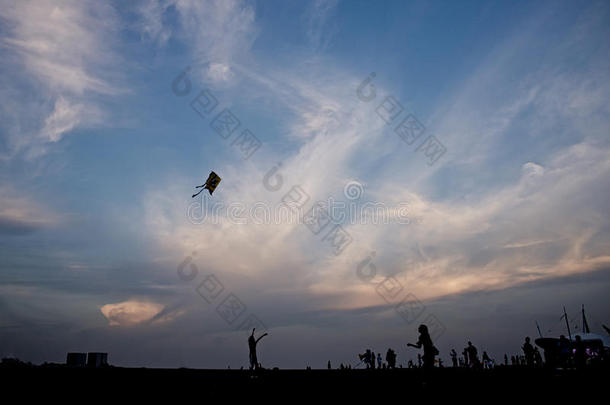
211 183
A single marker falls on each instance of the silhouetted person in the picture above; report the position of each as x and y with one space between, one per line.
473 358
454 358
390 357
528 351
329 364
580 353
254 364
465 354
486 361
367 358
373 360
425 341
505 359
379 360
564 351
537 357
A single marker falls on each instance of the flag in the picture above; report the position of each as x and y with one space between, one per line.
212 182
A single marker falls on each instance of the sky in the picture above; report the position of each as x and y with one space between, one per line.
383 164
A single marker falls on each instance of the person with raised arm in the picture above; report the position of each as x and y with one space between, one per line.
252 342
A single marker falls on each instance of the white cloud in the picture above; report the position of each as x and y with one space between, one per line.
131 312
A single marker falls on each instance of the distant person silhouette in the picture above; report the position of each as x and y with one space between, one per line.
372 360
254 364
580 353
465 354
329 367
486 361
528 351
564 351
505 359
425 341
367 358
454 360
473 358
537 357
390 357
379 360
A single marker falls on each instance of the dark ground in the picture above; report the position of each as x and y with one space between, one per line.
500 383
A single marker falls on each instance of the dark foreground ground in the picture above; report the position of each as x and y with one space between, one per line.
502 383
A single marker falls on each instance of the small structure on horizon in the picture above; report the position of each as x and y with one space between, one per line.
96 360
76 359
91 359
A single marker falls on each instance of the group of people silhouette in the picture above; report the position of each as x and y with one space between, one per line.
369 359
569 353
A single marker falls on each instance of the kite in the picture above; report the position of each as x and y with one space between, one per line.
211 183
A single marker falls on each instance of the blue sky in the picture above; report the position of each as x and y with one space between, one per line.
100 153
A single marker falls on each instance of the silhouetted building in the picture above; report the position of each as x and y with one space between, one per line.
97 359
76 359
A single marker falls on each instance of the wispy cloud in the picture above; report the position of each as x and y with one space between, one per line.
20 214
319 31
63 49
218 32
464 243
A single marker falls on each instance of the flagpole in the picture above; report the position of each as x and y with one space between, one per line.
585 324
537 326
567 323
